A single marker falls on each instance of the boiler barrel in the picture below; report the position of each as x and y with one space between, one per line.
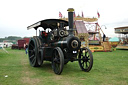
71 42
61 43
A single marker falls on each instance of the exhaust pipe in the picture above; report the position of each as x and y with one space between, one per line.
70 20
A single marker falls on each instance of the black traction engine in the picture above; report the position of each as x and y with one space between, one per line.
56 43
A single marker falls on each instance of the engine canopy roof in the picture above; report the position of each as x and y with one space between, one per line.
48 23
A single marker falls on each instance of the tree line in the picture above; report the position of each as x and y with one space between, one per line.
11 38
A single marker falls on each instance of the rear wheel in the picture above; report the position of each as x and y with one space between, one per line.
85 59
58 61
40 50
34 53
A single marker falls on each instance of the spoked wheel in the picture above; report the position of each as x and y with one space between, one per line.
58 61
40 51
85 59
33 52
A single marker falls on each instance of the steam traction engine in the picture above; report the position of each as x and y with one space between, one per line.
58 45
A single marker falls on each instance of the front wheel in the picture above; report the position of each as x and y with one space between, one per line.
58 61
85 59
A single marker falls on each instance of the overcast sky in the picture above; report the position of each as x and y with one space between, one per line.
16 15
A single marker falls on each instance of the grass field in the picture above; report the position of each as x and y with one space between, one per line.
109 68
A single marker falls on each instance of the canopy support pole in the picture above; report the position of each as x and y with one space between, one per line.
36 32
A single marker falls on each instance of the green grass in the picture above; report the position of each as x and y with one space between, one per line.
109 68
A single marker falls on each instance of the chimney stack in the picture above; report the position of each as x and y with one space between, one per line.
70 20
